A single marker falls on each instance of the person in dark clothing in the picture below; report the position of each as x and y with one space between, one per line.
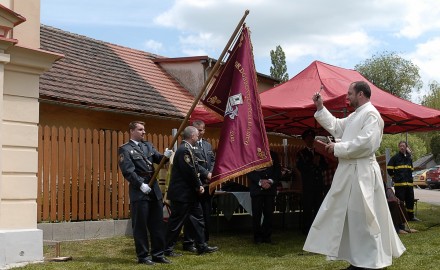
183 192
396 207
400 168
311 166
205 160
262 187
136 159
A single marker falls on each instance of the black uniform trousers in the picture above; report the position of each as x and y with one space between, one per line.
406 194
190 214
311 200
206 204
148 214
262 205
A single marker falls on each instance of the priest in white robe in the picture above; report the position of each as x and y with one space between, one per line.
354 223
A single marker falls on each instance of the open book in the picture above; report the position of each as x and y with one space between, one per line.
320 148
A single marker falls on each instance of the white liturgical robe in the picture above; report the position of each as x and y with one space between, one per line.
354 223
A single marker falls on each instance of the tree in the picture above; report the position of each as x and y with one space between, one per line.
435 147
392 73
278 70
432 100
391 141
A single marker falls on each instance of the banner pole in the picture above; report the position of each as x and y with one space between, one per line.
199 96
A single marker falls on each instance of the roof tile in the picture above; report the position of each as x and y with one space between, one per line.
98 73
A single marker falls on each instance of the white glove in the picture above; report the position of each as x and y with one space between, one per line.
145 188
168 152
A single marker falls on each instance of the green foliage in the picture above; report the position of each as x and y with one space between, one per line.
426 137
278 70
392 73
391 141
435 147
432 99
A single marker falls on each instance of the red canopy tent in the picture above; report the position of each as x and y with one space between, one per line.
288 108
202 113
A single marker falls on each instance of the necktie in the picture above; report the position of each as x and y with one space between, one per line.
140 147
200 144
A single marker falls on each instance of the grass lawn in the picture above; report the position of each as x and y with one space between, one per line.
237 251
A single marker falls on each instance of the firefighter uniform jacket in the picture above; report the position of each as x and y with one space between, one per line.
400 168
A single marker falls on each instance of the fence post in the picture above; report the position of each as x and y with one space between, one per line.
285 152
387 158
174 132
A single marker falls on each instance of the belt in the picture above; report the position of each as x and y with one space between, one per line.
144 174
356 161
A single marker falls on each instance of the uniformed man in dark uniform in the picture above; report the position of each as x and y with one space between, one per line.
262 187
311 165
400 168
205 158
136 159
183 192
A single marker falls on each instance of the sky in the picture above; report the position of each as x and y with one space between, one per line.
338 32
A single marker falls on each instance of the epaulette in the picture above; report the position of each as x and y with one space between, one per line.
123 144
188 146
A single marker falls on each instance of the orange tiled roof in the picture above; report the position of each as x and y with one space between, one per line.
100 74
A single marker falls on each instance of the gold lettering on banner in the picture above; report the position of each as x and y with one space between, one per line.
241 40
232 135
261 154
247 98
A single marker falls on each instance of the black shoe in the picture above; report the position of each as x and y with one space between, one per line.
146 261
415 219
160 260
267 241
258 240
190 249
172 254
206 249
352 267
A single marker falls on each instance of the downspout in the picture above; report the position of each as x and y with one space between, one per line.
205 71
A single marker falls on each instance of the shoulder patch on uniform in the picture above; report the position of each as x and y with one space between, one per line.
123 144
121 157
187 158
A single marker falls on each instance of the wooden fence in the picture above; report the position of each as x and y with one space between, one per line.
78 175
79 178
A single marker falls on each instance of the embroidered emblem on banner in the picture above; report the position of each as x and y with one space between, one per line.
260 153
214 100
232 105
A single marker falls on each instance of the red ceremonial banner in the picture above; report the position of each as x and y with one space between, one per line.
243 145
